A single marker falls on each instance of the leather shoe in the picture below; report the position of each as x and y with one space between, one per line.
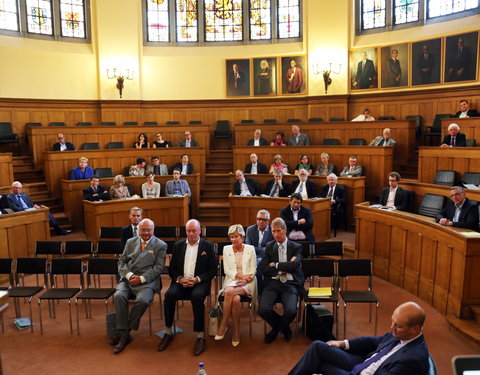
199 347
287 332
114 339
125 339
271 336
166 340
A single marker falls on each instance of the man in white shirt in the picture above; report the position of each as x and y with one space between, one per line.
257 139
255 167
62 144
303 185
465 110
394 197
244 186
365 116
188 141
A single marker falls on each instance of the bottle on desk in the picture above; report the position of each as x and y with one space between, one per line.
201 369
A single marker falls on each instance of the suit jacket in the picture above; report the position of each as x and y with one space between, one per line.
163 169
184 188
400 201
179 166
377 140
3 203
261 168
251 238
101 194
206 264
365 77
304 213
393 71
459 61
322 171
77 174
426 63
303 140
147 263
339 196
311 188
193 143
295 85
460 140
15 206
263 142
357 171
285 191
470 113
70 147
251 184
468 214
249 266
412 359
127 233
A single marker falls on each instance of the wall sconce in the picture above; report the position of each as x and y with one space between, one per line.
325 70
120 76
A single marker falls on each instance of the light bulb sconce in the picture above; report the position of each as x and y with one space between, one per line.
120 76
326 70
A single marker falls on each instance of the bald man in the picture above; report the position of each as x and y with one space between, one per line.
399 352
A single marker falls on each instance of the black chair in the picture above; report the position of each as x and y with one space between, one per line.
8 136
64 267
109 247
182 232
362 268
384 118
336 119
436 129
471 142
194 122
108 123
150 123
328 249
431 205
57 124
471 178
411 200
270 121
33 124
247 121
173 122
306 249
293 120
126 171
110 232
115 145
331 142
5 269
356 142
418 122
166 231
48 248
445 178
315 119
84 124
222 129
104 172
130 189
78 248
91 146
216 231
130 123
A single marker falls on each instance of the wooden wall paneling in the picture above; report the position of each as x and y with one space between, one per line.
363 238
442 277
396 257
427 269
6 169
413 253
381 252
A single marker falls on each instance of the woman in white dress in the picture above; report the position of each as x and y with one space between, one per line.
150 189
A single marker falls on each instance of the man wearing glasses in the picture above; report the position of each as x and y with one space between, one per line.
177 187
188 141
459 211
62 145
394 197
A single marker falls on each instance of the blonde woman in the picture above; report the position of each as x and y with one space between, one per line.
83 171
324 168
118 190
150 189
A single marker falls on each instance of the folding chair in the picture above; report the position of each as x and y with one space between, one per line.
5 269
109 247
328 249
53 248
110 232
78 248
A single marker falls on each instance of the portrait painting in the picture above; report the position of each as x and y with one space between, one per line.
294 75
363 69
394 63
425 63
461 57
238 77
265 76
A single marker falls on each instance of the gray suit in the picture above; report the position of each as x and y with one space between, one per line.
357 171
184 188
163 169
147 264
183 143
377 140
303 140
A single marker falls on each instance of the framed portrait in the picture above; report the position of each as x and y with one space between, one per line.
394 63
238 77
363 69
461 57
294 75
265 76
425 63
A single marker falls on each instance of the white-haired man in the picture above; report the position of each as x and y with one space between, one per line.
454 138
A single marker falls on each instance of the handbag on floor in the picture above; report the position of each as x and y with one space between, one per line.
213 320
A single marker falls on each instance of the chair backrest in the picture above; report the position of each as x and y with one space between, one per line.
66 266
165 231
383 118
471 142
444 177
294 120
113 247
84 124
104 172
150 123
218 231
48 248
306 251
336 119
220 246
31 266
418 122
315 119
126 171
223 128
471 178
270 121
356 142
247 121
115 145
6 129
437 122
431 205
182 232
328 248
173 122
110 232
31 124
331 141
91 146
103 266
194 122
411 200
354 267
108 123
130 123
318 267
6 268
78 247
57 124
130 188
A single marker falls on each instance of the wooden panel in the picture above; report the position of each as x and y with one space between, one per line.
163 211
72 192
6 169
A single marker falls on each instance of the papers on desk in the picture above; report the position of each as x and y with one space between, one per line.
320 292
471 186
470 234
379 206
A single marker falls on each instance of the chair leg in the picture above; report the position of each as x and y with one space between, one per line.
376 318
344 320
40 315
70 315
150 318
31 314
78 320
161 304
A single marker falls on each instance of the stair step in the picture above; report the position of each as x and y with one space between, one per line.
213 205
466 328
214 199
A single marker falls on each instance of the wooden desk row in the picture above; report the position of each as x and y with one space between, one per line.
42 138
436 263
6 169
469 126
243 210
72 192
59 164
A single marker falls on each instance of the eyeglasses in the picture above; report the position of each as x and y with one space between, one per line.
455 195
392 180
261 219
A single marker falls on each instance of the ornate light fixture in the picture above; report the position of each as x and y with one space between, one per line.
120 76
326 70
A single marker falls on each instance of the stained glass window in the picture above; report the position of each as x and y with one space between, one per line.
158 27
288 19
187 21
260 19
72 18
223 20
406 11
8 15
373 14
438 8
39 17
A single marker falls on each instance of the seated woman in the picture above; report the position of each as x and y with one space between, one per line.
160 142
324 168
138 169
142 141
304 164
240 265
150 189
118 190
83 171
279 140
278 165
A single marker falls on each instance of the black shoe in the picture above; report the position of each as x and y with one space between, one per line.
125 339
287 332
167 339
199 347
271 336
114 339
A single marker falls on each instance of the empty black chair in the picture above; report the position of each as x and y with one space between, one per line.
270 121
48 248
78 248
182 232
436 128
130 123
294 120
331 142
315 119
336 119
173 122
84 124
216 231
150 123
115 145
431 205
125 171
222 129
306 248
108 123
110 232
247 121
328 249
418 122
8 136
32 124
130 189
411 200
165 231
194 122
444 177
109 247
104 172
384 118
6 269
471 178
91 146
356 142
471 142
57 124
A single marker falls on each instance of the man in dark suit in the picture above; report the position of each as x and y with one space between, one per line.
337 195
459 211
139 270
458 68
465 110
365 73
255 167
277 187
135 217
282 271
184 166
425 64
298 219
400 352
244 186
238 82
304 186
62 145
192 267
188 141
257 139
259 234
394 196
454 138
394 71
95 192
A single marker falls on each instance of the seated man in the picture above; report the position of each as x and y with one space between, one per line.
95 192
177 187
454 138
277 187
18 201
139 269
394 196
459 211
366 116
156 167
244 186
297 138
192 268
383 140
304 186
4 205
135 217
62 145
255 167
298 219
282 271
184 166
188 141
259 234
352 169
337 195
465 110
257 139
402 351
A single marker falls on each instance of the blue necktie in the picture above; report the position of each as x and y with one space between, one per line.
362 366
